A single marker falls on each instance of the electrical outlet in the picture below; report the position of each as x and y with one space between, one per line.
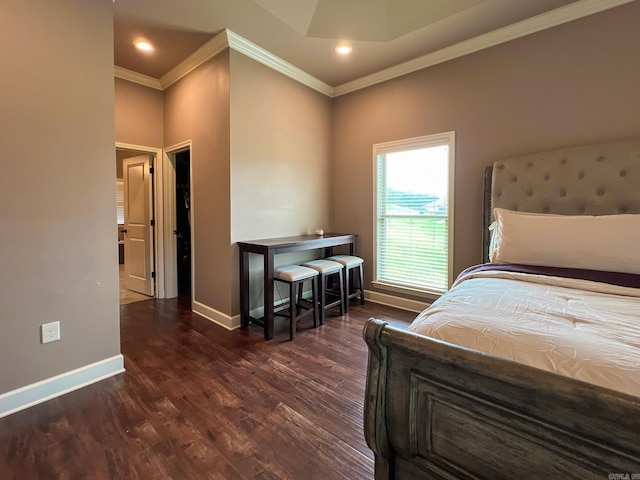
50 332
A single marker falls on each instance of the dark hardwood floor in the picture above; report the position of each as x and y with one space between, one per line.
198 401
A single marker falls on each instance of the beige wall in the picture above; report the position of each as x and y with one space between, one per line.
197 108
280 159
57 190
280 153
139 114
572 84
260 160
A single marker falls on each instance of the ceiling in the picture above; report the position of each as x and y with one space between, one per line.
383 33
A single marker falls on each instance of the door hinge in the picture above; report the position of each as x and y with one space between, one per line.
153 222
153 274
151 170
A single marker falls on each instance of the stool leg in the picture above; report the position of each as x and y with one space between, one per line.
361 285
341 290
293 308
299 300
346 289
322 294
314 299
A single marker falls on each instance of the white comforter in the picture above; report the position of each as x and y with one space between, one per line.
577 328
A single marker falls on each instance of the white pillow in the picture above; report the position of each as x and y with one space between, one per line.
608 242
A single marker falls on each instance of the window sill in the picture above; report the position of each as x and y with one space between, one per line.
414 292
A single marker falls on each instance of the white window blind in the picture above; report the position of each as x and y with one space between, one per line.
120 202
414 213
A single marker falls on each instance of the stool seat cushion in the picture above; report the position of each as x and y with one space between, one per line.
348 261
294 273
324 267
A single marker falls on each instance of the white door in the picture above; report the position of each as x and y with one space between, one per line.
138 252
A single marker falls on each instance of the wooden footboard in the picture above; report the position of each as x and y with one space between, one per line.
436 410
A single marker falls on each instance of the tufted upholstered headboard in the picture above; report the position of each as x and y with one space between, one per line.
596 179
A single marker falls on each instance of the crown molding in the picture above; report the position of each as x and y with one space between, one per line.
207 51
553 18
136 77
228 39
223 40
274 62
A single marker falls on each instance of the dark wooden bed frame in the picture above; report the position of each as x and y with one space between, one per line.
437 410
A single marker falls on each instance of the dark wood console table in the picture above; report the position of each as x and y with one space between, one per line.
270 247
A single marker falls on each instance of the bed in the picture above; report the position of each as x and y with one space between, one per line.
520 397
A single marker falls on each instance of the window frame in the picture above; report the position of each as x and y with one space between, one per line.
119 189
414 143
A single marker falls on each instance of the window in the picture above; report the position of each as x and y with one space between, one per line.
120 202
414 213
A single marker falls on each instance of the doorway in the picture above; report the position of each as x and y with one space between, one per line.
167 165
183 222
175 196
134 189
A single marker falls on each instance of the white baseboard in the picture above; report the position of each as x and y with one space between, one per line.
213 315
233 322
27 396
392 301
258 312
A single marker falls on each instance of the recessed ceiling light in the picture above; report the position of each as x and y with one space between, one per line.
344 49
143 45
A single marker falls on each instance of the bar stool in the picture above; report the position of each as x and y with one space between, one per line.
350 262
294 276
328 298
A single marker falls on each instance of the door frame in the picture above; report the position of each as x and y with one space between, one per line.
164 207
158 214
139 229
169 225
